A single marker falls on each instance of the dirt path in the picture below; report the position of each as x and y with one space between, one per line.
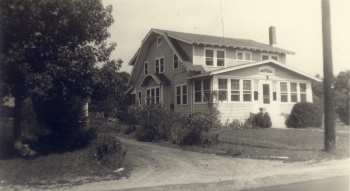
161 168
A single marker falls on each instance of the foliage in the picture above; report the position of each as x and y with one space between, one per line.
305 115
342 96
108 150
128 114
262 120
56 53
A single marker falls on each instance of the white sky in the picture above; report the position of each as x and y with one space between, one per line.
297 22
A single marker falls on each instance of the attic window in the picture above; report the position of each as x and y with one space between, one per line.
159 40
215 57
269 56
244 55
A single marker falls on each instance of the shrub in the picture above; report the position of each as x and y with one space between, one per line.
305 115
108 150
262 120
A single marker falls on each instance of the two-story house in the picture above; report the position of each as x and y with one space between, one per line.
180 70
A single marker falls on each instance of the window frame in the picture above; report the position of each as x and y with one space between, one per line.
270 56
215 57
178 62
247 91
202 91
181 95
244 55
140 96
149 90
303 92
223 90
235 90
159 67
144 67
161 40
293 94
285 93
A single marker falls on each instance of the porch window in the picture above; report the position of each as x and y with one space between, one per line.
240 56
159 65
247 90
223 89
202 90
293 92
284 92
209 57
181 95
176 62
235 90
244 55
153 95
265 57
302 92
220 58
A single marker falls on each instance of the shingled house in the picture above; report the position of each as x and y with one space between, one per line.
180 70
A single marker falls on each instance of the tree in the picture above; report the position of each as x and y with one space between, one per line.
49 48
107 92
342 96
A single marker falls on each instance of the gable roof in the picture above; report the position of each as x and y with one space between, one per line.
200 39
160 78
250 64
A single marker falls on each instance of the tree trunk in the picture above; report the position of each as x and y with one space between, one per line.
17 131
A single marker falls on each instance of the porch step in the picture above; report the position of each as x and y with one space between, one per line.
278 121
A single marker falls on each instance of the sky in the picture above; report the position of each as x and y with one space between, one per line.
298 26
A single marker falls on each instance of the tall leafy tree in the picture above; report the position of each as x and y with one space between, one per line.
49 48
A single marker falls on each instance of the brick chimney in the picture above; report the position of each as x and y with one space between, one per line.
272 35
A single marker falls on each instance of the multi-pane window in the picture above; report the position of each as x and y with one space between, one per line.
153 95
214 57
268 56
293 92
244 55
247 90
181 95
264 57
176 62
235 90
284 92
220 58
146 67
302 92
159 65
274 58
223 89
209 57
202 90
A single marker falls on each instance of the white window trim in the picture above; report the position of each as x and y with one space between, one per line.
155 64
178 62
269 55
202 92
227 94
244 52
144 68
289 92
155 93
161 40
181 94
215 59
240 89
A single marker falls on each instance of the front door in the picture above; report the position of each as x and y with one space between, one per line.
266 94
266 99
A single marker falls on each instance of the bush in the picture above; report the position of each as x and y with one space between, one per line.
305 115
262 120
108 150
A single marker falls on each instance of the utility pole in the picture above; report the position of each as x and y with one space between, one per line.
329 132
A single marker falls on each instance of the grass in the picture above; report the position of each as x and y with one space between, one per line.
56 168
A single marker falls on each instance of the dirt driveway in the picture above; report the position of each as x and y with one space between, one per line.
161 168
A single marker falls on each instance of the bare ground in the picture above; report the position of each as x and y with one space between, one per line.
161 168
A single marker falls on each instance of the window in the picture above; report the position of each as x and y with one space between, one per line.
209 57
244 55
220 58
146 68
202 90
140 97
181 95
159 40
159 65
256 90
269 56
274 91
235 90
284 92
176 62
302 92
214 57
153 95
223 89
132 99
247 94
293 92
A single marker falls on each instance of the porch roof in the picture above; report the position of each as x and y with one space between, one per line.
250 64
159 78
